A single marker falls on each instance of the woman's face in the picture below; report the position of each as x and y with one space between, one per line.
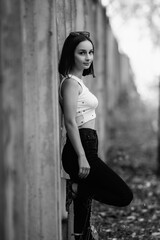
83 55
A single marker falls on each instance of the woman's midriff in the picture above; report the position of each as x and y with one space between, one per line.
89 124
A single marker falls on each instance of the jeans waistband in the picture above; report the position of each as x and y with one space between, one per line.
87 130
88 133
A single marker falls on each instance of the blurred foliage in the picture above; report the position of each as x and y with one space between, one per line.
147 11
132 132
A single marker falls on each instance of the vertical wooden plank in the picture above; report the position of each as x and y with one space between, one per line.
71 223
2 163
61 26
12 113
49 122
124 70
115 74
80 17
41 121
101 79
65 23
30 120
90 17
68 16
158 135
73 14
111 67
56 122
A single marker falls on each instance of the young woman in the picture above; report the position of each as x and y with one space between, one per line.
94 179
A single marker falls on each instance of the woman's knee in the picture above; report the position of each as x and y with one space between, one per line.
127 199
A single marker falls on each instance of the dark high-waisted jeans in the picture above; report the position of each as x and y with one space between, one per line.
102 183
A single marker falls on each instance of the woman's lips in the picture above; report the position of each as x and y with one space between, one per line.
87 64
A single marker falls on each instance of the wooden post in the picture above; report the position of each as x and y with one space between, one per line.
71 222
158 148
11 130
41 121
69 208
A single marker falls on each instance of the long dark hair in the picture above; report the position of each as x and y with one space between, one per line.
67 56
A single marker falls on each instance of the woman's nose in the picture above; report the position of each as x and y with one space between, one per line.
88 57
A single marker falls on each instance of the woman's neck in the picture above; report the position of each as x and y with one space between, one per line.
77 74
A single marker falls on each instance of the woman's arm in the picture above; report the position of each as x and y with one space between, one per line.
70 92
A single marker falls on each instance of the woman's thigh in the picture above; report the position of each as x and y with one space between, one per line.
107 186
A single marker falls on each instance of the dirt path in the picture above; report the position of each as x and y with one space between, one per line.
140 220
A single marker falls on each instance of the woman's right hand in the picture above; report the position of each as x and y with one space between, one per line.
84 167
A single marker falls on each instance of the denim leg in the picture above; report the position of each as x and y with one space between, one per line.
82 211
108 187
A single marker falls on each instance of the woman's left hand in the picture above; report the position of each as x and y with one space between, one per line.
84 167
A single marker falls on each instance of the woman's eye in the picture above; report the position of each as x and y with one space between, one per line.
82 53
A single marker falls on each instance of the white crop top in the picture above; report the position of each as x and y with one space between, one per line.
86 103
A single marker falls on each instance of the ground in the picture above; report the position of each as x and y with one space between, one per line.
139 220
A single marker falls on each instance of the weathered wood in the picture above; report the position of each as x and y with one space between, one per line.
12 160
41 121
158 145
32 193
100 63
71 223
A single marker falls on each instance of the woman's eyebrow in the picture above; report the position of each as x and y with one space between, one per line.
85 50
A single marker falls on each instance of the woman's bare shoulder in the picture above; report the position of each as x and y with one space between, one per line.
70 84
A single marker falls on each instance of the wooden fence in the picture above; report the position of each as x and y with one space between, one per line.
32 32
